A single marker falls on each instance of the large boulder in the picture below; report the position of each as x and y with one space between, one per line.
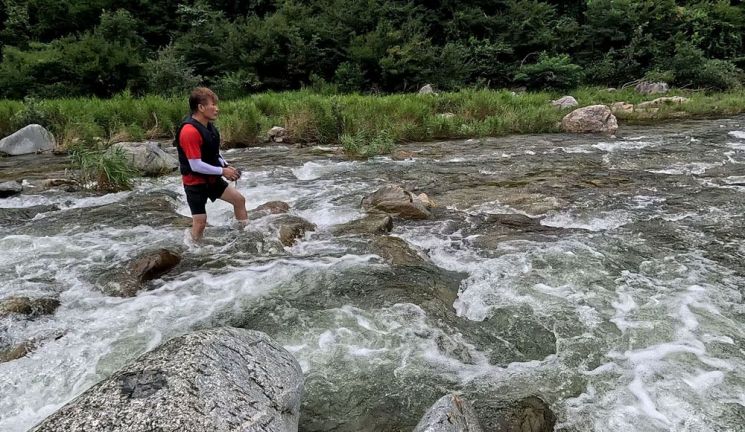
147 157
31 139
565 102
223 379
10 188
450 413
396 200
652 87
590 119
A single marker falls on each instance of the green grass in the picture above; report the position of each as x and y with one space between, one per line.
362 124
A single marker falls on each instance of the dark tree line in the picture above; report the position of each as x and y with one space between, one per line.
57 48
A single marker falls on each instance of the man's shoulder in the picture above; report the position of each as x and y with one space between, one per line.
189 130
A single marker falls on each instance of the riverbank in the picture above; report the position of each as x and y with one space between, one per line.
363 124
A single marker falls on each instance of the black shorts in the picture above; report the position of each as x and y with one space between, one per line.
196 195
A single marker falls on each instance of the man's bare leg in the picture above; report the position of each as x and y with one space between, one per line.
198 223
235 198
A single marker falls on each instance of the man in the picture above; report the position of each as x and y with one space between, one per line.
202 166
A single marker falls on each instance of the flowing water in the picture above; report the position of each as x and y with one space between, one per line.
604 275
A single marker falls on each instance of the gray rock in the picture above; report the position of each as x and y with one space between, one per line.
271 207
147 157
427 89
653 104
565 102
10 188
652 87
30 139
277 134
590 119
450 413
224 379
396 200
526 415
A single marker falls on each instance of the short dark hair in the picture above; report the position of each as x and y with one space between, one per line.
200 95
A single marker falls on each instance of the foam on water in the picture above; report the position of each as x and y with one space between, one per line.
604 222
738 134
314 170
624 145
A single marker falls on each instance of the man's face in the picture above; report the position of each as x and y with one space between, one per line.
209 110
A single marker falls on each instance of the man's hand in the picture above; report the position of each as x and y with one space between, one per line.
231 173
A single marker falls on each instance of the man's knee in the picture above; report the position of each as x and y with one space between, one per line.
199 221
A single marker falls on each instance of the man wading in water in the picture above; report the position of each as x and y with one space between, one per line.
202 166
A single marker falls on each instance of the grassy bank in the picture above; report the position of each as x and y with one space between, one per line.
365 125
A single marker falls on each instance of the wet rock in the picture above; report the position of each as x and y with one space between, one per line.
271 207
427 89
277 134
531 414
654 105
396 200
565 102
147 157
622 108
426 201
56 182
652 87
223 379
10 188
370 224
451 413
292 228
396 251
20 215
28 306
590 119
128 281
30 139
400 155
153 265
16 351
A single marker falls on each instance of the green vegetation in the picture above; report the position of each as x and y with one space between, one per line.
100 169
68 48
363 124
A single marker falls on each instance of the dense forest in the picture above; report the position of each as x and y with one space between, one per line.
62 48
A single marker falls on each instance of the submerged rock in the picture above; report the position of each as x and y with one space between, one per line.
224 379
16 351
10 188
450 413
30 139
396 200
590 119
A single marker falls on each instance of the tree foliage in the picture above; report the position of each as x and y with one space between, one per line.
54 48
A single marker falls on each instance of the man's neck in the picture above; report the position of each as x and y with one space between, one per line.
200 118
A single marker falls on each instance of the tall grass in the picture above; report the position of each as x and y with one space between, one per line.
354 121
100 169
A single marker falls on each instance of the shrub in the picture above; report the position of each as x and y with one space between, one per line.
550 72
366 144
101 170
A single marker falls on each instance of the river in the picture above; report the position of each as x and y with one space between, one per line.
604 275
